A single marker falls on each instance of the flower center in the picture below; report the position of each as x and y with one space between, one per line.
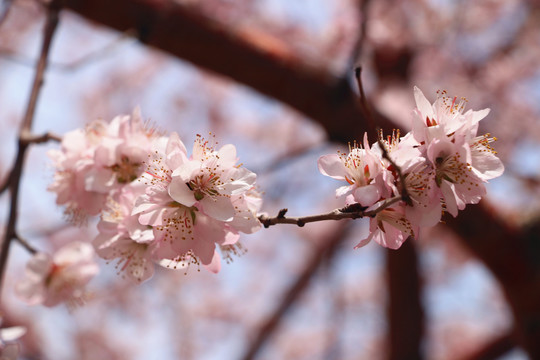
126 171
203 185
451 169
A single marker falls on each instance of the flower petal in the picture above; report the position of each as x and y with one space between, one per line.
181 193
332 165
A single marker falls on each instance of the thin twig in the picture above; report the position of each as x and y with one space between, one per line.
39 139
354 211
25 244
369 116
53 10
77 64
358 47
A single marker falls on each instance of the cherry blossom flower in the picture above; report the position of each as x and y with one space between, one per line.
72 163
194 204
122 237
454 177
209 179
119 156
457 160
442 118
362 169
389 228
50 280
94 161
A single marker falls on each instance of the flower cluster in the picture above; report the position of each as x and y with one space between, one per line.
179 209
442 164
158 204
97 160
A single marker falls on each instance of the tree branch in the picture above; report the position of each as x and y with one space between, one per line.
39 139
25 244
404 308
359 46
183 32
14 178
353 211
326 251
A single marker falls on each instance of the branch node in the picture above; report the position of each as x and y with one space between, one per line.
281 213
353 208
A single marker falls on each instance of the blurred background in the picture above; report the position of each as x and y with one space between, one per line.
297 293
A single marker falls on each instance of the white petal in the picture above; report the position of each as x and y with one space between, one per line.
450 198
187 171
218 207
74 252
423 104
227 156
12 333
367 195
487 166
175 144
181 193
332 165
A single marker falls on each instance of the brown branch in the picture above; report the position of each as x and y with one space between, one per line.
359 46
353 211
15 175
25 244
326 251
39 139
405 312
183 32
27 139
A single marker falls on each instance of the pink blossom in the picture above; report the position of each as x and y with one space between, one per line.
194 204
442 118
122 237
454 176
95 161
458 163
362 169
72 163
389 228
209 179
50 280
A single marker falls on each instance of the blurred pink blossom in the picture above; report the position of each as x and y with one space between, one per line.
62 277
